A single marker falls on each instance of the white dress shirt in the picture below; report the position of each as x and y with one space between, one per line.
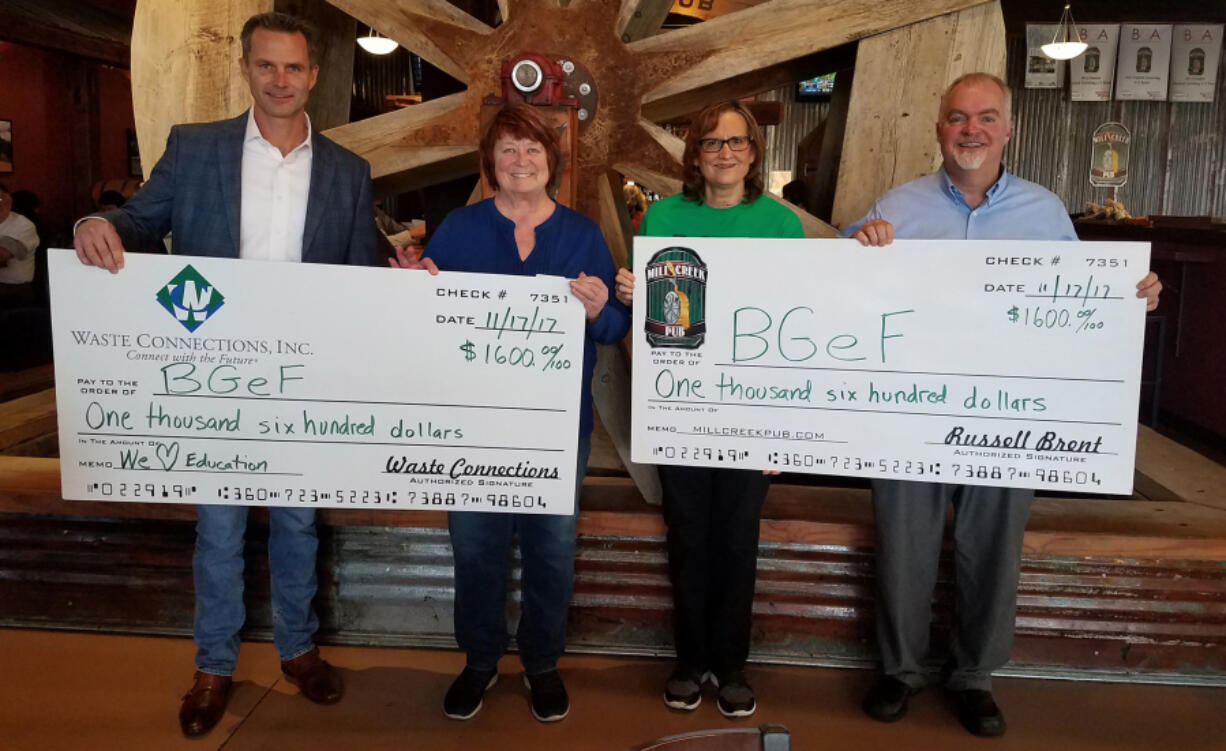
274 197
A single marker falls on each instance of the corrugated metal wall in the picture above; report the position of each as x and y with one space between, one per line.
1178 149
799 119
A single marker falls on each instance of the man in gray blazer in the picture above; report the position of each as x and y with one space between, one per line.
261 186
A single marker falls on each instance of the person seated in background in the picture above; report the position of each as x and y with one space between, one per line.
18 241
636 203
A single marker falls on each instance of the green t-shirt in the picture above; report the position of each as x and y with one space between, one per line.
676 217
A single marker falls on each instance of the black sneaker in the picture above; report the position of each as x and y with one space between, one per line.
887 700
683 690
978 713
463 699
549 700
735 698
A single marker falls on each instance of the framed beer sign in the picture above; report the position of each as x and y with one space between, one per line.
1109 155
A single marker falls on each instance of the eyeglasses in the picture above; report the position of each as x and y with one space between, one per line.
715 145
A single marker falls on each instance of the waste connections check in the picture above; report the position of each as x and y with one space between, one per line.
217 381
972 362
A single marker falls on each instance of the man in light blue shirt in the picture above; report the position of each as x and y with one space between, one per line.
970 197
933 207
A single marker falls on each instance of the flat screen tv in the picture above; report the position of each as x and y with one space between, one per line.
816 89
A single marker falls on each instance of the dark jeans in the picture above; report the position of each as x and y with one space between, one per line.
480 542
713 517
988 528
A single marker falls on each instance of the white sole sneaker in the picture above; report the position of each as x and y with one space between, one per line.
682 705
734 713
472 714
555 718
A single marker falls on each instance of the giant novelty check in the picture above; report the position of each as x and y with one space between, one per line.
980 363
198 380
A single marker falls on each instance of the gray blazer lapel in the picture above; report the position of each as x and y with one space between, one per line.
322 170
230 164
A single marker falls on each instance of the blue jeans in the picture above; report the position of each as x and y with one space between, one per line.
480 542
217 568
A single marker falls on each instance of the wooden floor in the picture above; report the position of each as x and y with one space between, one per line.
82 691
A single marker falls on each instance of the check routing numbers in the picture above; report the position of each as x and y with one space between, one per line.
402 390
975 362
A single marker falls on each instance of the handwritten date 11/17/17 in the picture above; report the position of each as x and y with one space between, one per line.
511 321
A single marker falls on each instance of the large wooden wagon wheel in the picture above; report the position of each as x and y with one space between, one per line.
184 69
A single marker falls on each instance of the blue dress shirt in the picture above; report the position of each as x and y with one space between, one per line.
932 208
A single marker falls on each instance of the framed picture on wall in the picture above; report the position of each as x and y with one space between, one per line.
6 146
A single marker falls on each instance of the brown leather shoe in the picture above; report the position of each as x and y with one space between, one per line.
204 705
316 679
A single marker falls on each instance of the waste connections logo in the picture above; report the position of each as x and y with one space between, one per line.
190 298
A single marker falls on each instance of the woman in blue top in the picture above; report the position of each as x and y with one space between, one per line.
523 231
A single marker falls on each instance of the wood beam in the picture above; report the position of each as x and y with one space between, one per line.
753 82
436 30
900 76
85 129
1073 527
764 112
824 181
639 19
27 417
23 382
413 137
76 28
185 66
462 162
772 33
328 106
1167 470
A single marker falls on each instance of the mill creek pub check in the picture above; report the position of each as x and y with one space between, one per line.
200 380
973 362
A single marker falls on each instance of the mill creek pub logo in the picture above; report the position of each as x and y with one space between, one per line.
190 298
676 299
1110 155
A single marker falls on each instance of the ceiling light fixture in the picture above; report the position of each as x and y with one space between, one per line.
378 45
1065 43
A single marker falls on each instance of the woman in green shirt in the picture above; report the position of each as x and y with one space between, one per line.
713 513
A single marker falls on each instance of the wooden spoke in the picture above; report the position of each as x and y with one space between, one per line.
639 19
436 30
656 182
614 219
412 137
670 143
771 33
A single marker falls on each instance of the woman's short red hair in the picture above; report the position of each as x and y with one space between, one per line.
522 121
